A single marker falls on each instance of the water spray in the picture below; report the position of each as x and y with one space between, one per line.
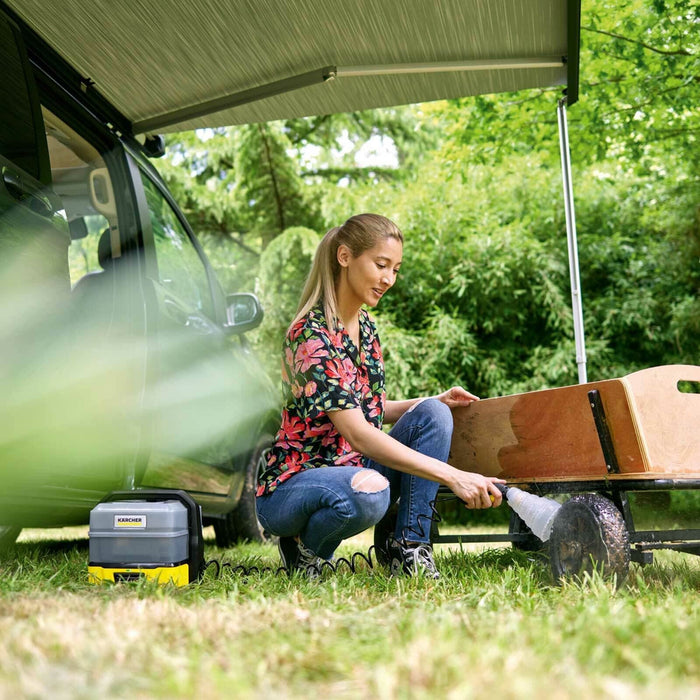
536 512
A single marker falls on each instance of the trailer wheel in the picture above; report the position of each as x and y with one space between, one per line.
589 534
516 526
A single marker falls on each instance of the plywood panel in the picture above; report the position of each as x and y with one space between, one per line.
545 434
666 420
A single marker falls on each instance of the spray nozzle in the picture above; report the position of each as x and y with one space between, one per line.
536 512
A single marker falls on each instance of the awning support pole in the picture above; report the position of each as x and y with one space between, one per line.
576 302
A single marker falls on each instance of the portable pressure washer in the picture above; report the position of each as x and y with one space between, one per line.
154 534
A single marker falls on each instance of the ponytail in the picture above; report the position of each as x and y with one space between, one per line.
320 284
359 233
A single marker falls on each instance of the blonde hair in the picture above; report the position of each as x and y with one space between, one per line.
359 233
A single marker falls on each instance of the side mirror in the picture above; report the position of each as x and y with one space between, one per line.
154 146
243 312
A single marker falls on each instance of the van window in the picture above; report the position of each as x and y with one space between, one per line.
21 137
180 269
82 181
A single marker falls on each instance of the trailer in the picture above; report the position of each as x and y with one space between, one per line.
607 444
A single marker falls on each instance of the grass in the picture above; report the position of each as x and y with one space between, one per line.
492 626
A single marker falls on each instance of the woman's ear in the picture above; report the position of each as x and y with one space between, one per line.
344 255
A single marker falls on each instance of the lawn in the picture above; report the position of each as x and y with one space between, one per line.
492 627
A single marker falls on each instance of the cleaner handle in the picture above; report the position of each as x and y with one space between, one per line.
502 488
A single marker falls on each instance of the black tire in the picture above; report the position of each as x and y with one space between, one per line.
242 524
516 526
589 534
8 536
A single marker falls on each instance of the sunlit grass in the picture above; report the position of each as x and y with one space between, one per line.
492 626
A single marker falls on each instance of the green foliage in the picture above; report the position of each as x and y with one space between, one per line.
641 67
284 265
341 137
639 75
269 182
238 183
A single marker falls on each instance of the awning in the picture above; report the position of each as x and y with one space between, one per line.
172 65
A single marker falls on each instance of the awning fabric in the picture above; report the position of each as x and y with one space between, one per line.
171 65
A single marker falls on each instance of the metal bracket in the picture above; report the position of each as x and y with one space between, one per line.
640 556
601 426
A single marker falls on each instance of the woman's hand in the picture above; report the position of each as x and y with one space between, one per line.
475 490
456 396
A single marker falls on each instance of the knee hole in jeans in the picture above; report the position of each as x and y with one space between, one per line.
369 481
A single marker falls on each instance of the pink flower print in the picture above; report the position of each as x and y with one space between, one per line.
345 454
322 429
310 388
296 329
291 431
308 354
343 371
349 370
337 339
294 460
375 407
331 436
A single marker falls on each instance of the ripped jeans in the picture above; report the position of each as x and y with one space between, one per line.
323 507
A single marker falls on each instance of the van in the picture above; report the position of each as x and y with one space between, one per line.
124 363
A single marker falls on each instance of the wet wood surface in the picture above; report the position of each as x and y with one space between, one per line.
551 433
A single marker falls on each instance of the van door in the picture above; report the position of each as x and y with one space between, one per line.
55 461
193 387
34 280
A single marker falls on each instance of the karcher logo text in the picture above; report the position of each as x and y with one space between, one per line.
122 521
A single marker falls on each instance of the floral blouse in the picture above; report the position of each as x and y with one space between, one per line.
323 371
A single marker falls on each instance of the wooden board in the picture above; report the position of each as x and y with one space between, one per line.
667 421
545 434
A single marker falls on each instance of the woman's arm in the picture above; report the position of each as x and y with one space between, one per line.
456 396
474 489
393 410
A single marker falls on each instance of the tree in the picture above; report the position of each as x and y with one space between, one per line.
268 182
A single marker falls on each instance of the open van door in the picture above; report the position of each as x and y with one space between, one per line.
47 387
34 242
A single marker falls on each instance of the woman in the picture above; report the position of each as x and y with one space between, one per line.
335 406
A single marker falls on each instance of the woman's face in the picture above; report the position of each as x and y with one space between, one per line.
370 275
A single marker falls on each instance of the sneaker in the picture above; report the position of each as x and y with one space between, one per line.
414 558
388 552
297 557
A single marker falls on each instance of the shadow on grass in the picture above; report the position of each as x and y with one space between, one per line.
47 547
